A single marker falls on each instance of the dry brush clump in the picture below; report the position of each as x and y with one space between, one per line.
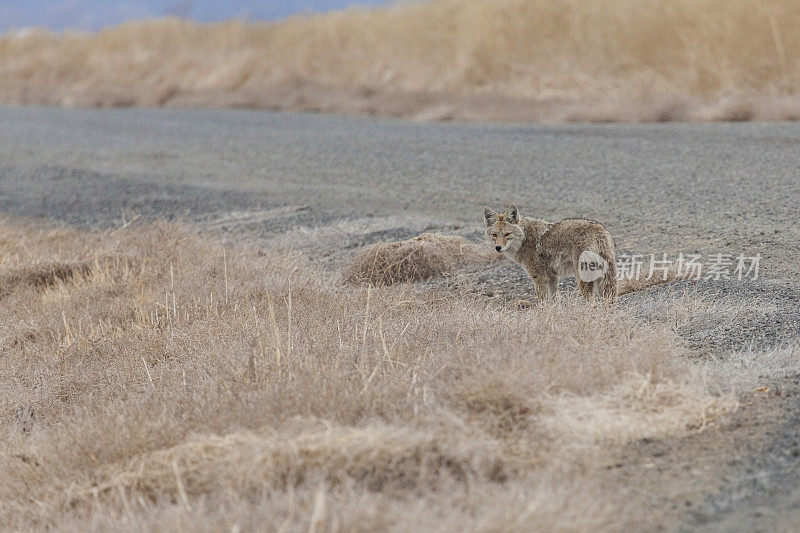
619 60
419 258
177 383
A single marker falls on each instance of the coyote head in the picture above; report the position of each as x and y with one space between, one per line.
504 229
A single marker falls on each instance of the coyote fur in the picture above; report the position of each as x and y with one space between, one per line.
552 250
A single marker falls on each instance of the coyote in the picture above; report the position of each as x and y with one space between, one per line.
553 250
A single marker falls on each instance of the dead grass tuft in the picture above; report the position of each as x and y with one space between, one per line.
44 275
423 257
381 458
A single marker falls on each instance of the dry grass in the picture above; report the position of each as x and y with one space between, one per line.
419 258
179 384
502 59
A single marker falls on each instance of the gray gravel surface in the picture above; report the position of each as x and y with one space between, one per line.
709 187
327 185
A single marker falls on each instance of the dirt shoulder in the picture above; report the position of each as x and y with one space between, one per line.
739 475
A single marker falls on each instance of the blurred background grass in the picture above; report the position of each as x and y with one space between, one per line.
550 60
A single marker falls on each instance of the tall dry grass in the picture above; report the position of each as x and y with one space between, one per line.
501 59
422 257
171 383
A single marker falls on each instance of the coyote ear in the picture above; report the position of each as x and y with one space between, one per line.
512 215
489 216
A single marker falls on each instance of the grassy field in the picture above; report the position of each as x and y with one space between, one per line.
552 60
153 378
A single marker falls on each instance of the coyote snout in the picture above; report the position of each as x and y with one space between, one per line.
552 250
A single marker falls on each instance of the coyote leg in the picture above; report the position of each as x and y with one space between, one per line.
541 290
587 289
552 288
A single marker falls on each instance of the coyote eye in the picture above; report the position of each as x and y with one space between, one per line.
506 235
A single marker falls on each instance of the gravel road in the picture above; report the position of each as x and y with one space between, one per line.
328 184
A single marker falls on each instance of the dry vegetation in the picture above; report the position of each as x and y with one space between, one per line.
495 59
420 258
168 382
